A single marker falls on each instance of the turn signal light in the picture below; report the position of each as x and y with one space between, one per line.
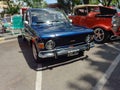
41 45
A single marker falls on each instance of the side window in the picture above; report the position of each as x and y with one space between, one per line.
81 11
93 9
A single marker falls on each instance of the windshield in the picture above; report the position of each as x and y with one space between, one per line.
48 16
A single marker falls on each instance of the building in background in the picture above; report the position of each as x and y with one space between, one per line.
3 6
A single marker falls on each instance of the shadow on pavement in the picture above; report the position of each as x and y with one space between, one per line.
48 63
52 63
104 52
27 53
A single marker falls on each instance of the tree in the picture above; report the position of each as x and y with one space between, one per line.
36 3
93 1
86 1
28 3
105 2
118 3
12 8
110 2
67 5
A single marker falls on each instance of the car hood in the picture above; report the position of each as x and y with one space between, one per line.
56 31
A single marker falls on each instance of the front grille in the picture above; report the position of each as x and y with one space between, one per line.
70 40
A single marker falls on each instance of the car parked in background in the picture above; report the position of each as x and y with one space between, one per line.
51 34
105 21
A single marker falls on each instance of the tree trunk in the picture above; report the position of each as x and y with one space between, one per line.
86 1
109 1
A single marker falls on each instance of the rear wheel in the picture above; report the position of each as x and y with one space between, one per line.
100 35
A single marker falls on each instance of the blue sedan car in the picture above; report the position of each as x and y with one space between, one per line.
51 34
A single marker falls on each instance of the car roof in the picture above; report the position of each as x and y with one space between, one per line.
103 9
85 5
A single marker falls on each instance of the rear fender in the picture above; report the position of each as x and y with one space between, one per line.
106 28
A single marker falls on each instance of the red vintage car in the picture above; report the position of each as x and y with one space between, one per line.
105 21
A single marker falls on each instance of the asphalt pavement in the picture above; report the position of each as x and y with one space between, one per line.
100 71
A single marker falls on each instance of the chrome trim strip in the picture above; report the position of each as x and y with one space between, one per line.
63 51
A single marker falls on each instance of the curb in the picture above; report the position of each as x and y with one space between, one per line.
2 39
9 38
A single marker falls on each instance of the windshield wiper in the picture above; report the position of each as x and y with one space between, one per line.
40 22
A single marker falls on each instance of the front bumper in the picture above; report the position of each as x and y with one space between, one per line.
70 51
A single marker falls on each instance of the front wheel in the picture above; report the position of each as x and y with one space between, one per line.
35 53
23 38
100 35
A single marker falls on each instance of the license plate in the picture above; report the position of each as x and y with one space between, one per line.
73 52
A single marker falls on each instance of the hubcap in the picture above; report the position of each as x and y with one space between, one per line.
99 34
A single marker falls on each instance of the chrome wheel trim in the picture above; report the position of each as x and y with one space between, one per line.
34 51
99 34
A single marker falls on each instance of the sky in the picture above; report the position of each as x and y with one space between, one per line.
51 1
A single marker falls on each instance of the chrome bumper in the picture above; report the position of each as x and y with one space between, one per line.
64 51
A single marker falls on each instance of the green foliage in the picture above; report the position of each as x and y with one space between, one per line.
12 9
93 1
28 3
36 3
110 2
116 3
86 1
67 5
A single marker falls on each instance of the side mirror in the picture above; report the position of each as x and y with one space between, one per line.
26 22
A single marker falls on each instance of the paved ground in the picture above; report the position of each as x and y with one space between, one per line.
15 73
19 72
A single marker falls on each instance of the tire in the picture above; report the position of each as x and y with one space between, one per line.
23 38
35 53
81 53
23 35
100 35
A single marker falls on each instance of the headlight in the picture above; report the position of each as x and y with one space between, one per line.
50 44
89 38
